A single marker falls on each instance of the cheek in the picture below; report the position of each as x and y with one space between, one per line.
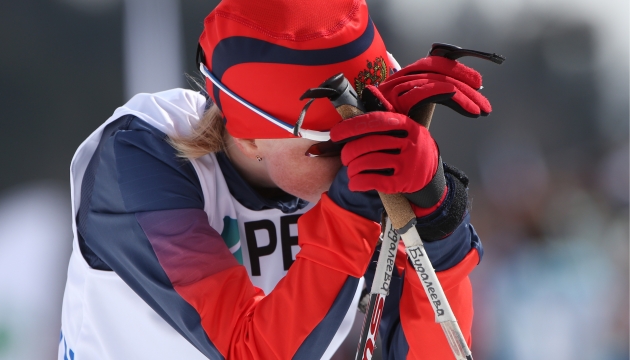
303 176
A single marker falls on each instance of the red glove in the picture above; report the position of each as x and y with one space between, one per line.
433 79
386 151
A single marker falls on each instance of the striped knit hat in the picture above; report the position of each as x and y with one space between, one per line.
270 52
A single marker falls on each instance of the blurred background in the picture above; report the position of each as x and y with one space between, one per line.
549 168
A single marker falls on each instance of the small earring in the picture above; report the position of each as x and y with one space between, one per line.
258 158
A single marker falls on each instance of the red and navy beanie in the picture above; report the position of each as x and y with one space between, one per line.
270 52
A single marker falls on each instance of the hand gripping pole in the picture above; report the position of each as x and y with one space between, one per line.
400 220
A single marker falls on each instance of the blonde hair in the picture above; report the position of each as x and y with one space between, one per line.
207 137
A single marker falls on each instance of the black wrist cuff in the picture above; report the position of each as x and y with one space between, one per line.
449 215
432 192
457 174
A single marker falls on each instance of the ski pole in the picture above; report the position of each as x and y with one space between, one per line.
403 221
401 218
378 291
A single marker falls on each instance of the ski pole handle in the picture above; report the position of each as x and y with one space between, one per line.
396 205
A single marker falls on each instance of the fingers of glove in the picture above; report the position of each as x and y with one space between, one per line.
374 100
407 172
401 86
374 172
376 162
370 144
413 92
370 123
367 182
397 86
444 66
463 105
418 91
455 100
389 184
474 95
387 87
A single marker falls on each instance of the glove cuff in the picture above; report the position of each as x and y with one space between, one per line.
449 215
432 193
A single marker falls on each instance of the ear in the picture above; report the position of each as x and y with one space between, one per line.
247 146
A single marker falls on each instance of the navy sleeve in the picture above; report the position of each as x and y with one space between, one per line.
135 175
